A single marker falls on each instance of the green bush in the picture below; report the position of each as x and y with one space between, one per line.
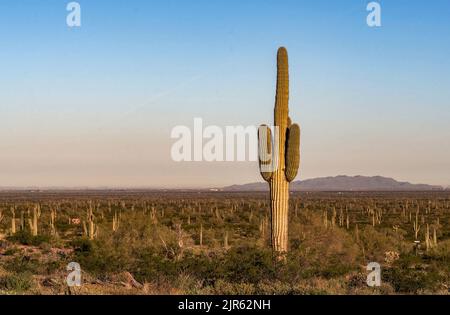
25 238
99 258
18 282
410 274
247 264
23 263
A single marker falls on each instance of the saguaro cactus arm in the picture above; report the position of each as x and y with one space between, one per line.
292 152
265 152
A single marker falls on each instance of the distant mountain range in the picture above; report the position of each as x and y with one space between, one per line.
337 183
342 183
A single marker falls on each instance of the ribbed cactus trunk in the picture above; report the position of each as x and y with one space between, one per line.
282 154
279 197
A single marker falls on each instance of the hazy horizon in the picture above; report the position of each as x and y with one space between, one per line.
192 187
94 106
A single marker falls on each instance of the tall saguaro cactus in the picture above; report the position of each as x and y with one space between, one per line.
279 156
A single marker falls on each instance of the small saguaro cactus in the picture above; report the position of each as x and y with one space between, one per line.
22 220
53 215
434 237
279 156
33 223
90 229
428 243
225 240
13 220
416 226
116 221
201 235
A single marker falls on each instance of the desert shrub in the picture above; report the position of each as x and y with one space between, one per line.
53 266
190 285
410 274
46 247
247 264
11 251
377 243
99 258
201 266
26 238
62 224
441 257
239 265
227 288
150 266
17 282
323 252
274 287
23 263
81 245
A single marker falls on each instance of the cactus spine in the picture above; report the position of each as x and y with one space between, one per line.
282 152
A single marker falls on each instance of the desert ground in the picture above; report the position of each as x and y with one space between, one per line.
203 242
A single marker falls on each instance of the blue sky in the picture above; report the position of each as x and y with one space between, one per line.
95 105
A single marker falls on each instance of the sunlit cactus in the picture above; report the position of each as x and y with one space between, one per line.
90 229
13 220
279 156
33 222
116 221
